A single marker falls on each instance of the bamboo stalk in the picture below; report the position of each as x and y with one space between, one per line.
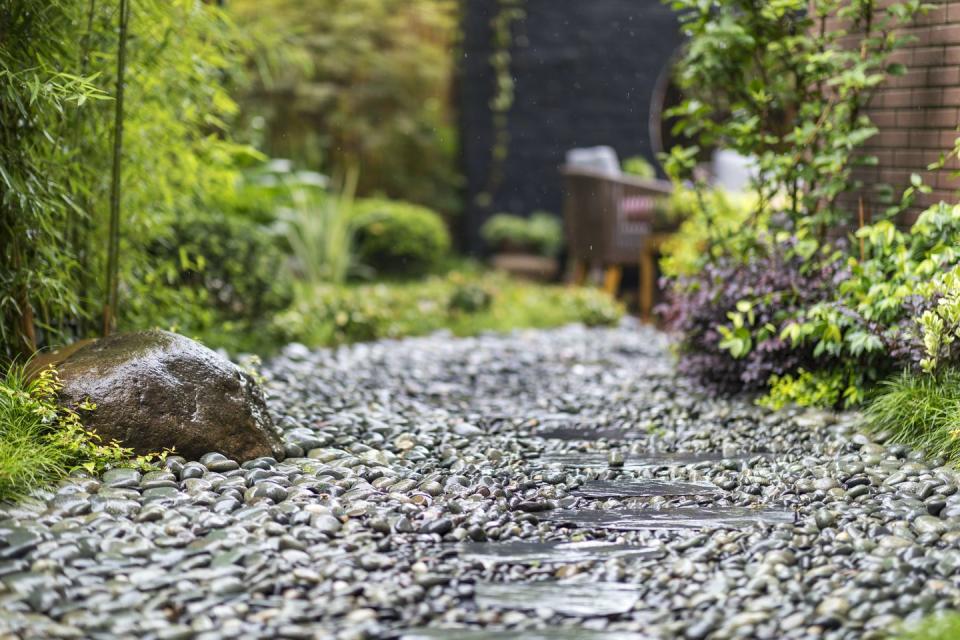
113 258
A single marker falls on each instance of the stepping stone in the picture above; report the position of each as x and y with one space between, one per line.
644 488
552 552
596 460
539 634
676 518
574 434
566 598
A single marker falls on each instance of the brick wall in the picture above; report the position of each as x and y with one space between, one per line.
918 113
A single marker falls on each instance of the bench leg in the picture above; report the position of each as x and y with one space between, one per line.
611 279
648 271
578 275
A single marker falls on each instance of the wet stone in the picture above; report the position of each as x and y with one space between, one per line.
552 552
568 599
593 460
642 488
671 518
517 634
573 434
122 478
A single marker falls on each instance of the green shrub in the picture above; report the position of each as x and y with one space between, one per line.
710 221
41 441
541 233
216 278
638 166
470 297
398 238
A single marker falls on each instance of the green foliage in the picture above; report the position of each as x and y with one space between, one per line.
638 166
222 282
710 221
347 82
877 320
541 233
787 84
943 626
39 102
336 315
57 64
398 238
320 229
827 388
41 441
920 410
784 84
470 297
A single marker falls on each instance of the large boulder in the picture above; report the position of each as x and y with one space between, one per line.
156 390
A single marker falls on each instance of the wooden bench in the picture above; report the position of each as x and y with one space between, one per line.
609 223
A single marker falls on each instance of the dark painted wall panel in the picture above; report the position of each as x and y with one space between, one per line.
585 72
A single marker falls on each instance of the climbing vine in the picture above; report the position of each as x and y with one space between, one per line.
508 12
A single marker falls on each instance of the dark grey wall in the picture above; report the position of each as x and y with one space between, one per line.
585 72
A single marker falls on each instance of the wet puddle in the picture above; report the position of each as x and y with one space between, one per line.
540 634
644 488
552 552
677 518
597 460
568 599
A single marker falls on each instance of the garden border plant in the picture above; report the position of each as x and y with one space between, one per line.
778 299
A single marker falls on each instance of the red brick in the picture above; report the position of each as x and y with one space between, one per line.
945 34
953 12
911 118
944 117
892 138
884 118
951 54
930 97
928 56
943 180
924 139
948 139
937 15
911 159
893 98
943 76
951 96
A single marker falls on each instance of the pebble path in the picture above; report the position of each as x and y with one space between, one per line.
559 484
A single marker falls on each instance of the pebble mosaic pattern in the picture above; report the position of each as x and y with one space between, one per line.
433 489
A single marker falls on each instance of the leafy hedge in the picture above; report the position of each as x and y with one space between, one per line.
399 238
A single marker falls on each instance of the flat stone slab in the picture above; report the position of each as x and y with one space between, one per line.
575 434
539 634
676 518
565 598
644 488
597 460
552 552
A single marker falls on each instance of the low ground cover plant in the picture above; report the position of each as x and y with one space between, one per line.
465 301
41 441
